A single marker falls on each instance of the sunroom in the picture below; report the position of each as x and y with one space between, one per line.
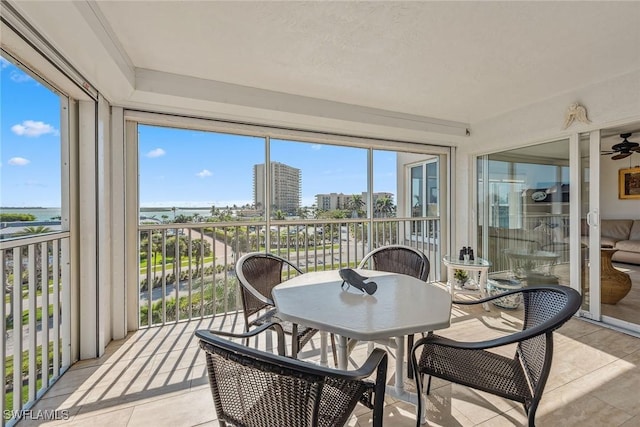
175 137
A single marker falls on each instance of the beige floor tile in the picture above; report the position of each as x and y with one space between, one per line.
187 409
586 411
398 414
575 328
471 404
118 417
613 343
631 422
616 382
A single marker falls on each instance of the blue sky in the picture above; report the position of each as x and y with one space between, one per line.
177 167
192 168
30 147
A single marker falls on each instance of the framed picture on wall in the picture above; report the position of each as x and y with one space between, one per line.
629 183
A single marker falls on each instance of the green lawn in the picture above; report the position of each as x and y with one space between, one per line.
25 368
25 316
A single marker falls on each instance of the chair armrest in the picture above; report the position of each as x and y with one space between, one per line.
370 365
376 360
547 326
274 326
479 345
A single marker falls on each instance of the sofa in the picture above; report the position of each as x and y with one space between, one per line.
621 234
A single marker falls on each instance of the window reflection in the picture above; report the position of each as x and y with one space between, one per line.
523 206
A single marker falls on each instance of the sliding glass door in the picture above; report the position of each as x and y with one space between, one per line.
524 214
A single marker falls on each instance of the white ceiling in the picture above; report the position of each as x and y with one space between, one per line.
458 61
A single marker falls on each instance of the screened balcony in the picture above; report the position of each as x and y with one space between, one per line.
113 341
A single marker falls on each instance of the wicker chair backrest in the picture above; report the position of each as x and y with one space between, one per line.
402 260
252 388
262 272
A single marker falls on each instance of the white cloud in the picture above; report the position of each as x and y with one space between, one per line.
158 152
33 129
204 173
20 77
19 161
4 63
316 147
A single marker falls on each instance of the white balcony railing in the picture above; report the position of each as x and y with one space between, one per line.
195 277
36 313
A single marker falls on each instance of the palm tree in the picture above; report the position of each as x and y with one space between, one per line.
356 204
171 251
200 249
182 219
279 214
34 229
384 206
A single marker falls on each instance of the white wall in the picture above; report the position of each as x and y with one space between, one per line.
611 207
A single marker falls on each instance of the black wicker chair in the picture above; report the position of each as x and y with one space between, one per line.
258 273
254 388
521 378
399 259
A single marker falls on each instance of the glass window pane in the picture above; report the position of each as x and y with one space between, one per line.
191 175
30 153
331 181
417 197
433 191
526 198
385 183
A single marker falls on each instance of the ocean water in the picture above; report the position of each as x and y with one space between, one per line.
46 214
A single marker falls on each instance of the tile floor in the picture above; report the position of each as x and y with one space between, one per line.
157 377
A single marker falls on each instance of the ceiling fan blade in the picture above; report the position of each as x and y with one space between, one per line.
636 149
620 156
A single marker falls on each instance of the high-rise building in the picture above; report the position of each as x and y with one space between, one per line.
332 201
286 188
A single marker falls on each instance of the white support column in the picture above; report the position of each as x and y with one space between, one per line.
88 238
70 262
103 225
131 225
118 190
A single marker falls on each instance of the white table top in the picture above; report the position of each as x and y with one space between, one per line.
402 305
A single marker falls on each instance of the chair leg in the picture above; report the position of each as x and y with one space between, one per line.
409 364
295 343
531 413
429 385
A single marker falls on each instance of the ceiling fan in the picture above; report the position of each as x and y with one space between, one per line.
623 149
